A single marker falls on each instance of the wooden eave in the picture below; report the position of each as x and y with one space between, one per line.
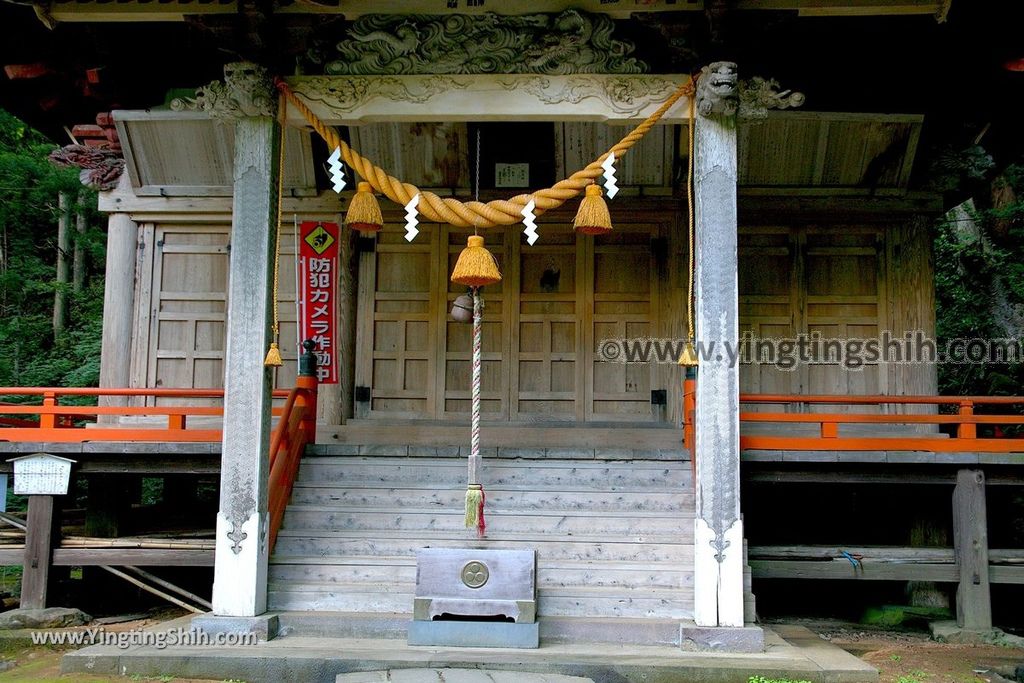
177 10
859 158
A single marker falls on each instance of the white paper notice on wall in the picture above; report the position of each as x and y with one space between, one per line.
511 175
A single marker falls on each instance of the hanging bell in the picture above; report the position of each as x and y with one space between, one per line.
593 217
364 210
476 266
462 309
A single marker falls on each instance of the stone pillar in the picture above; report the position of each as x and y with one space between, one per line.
118 305
247 100
718 529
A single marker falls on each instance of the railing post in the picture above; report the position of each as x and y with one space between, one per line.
966 430
48 420
307 380
829 430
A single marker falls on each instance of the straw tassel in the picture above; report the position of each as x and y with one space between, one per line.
273 358
476 266
475 498
364 210
593 217
688 358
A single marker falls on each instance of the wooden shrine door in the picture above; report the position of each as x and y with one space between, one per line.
542 323
822 283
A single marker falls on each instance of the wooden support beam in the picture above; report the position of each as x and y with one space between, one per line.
38 552
867 570
149 589
118 306
137 557
970 543
152 578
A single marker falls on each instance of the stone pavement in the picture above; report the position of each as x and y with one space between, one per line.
790 652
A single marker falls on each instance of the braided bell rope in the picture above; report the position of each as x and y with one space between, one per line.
476 214
478 315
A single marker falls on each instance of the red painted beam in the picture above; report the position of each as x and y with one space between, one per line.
17 72
86 130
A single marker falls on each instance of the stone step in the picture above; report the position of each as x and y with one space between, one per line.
624 549
452 472
571 601
498 498
550 573
598 452
498 521
617 630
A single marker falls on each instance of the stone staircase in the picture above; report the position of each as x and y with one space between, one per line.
614 537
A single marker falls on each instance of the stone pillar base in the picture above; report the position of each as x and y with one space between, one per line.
749 638
265 626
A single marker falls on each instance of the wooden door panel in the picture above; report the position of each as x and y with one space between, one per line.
545 379
622 286
188 307
540 327
843 285
769 294
398 303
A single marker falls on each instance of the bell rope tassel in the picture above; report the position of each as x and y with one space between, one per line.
364 210
475 498
593 217
476 266
273 358
688 358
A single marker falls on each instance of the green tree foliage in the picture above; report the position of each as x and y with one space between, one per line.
29 190
979 288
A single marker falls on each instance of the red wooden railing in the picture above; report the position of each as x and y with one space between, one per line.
963 437
57 423
296 428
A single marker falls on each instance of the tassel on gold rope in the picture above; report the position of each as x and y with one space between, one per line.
475 508
476 266
364 210
273 358
593 217
688 358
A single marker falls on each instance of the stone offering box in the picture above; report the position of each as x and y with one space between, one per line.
475 598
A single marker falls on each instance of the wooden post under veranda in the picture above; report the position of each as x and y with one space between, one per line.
970 543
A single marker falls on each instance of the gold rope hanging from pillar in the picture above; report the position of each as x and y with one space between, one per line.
688 358
273 358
